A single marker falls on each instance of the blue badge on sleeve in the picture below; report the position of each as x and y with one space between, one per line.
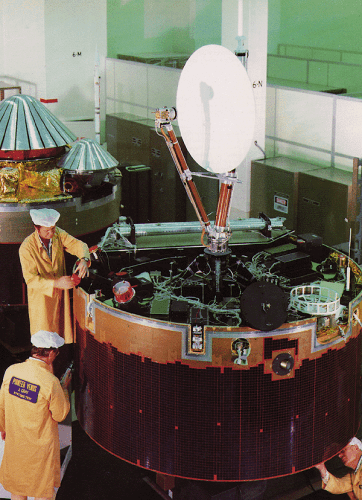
24 390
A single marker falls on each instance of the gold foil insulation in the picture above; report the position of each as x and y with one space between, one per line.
342 261
9 181
29 181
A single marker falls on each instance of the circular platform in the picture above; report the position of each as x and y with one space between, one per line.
213 402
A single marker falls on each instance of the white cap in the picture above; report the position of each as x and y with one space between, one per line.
46 217
47 339
355 441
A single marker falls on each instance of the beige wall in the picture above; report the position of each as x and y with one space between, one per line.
37 44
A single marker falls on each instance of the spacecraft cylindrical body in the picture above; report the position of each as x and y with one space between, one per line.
287 405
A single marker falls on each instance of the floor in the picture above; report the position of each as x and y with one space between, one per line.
94 474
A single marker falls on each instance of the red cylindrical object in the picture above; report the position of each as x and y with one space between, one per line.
123 292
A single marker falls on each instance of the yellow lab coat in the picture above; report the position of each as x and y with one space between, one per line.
49 307
32 402
346 484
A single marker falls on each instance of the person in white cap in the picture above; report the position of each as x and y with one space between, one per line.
43 266
32 402
351 456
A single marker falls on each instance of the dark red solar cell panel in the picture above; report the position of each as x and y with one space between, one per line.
218 424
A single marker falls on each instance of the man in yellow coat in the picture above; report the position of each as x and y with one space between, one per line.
43 265
32 402
351 456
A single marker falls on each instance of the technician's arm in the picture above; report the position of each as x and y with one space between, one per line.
59 403
2 413
76 247
82 268
323 471
64 283
335 485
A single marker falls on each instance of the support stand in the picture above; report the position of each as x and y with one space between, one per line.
163 483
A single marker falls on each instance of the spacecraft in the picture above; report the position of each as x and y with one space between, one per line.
217 350
42 164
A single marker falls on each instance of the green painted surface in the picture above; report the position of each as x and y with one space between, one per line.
139 27
325 35
306 30
315 23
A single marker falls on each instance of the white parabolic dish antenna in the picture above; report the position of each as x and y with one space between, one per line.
215 108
